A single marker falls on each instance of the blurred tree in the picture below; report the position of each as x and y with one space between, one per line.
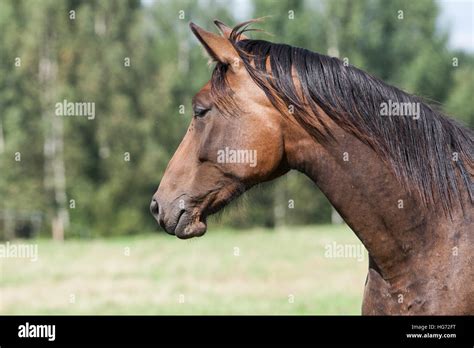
139 64
21 155
459 102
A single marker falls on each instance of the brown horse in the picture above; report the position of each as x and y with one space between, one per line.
397 170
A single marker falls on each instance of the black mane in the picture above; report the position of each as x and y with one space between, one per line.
420 151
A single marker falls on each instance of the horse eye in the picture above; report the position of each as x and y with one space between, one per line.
200 112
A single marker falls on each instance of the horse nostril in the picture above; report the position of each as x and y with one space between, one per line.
154 208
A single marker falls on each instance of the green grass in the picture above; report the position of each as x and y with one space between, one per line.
273 267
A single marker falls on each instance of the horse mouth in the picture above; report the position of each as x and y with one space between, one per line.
189 226
193 223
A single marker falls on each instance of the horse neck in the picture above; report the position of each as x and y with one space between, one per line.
389 221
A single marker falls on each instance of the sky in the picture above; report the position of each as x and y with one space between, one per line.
459 16
455 15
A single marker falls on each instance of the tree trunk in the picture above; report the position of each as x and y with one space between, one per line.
2 139
279 205
55 174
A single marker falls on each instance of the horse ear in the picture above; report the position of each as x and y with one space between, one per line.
226 31
218 47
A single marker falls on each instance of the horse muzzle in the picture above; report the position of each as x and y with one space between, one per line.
178 221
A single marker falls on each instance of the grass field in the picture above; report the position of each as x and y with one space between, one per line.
224 272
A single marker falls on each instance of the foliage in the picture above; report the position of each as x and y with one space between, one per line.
114 162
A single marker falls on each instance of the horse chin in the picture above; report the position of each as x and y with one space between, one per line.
195 224
195 228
